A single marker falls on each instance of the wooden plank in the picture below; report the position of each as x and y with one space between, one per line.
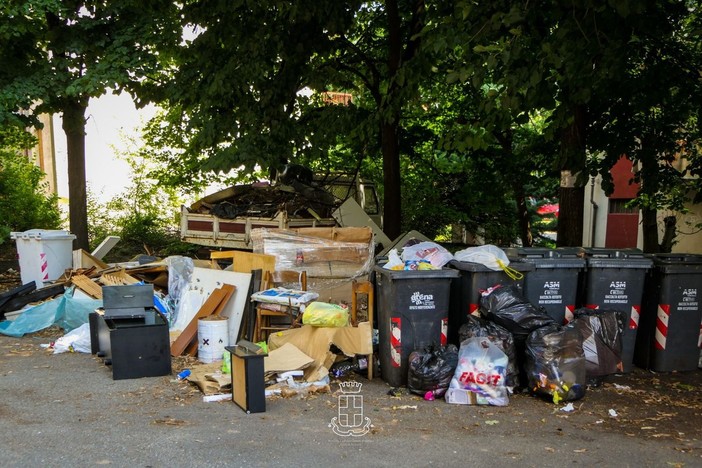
245 262
117 278
87 285
82 259
213 305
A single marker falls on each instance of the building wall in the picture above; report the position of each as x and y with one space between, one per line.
596 209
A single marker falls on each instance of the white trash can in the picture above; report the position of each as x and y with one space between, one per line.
43 255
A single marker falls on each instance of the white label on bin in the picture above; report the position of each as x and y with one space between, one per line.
552 293
617 293
689 300
421 301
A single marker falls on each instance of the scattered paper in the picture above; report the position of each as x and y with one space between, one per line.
492 422
220 397
613 413
568 408
622 387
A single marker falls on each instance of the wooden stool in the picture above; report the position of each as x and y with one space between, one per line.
363 287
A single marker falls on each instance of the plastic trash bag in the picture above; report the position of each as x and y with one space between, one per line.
323 314
77 341
67 312
555 363
505 306
431 370
601 332
477 327
489 256
480 374
394 261
432 252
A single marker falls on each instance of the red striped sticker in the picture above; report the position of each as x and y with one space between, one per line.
44 266
662 325
569 316
396 341
634 318
444 331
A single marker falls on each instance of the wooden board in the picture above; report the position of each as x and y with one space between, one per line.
88 286
245 262
213 305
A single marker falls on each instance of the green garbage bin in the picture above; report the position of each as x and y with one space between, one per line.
669 331
614 279
412 312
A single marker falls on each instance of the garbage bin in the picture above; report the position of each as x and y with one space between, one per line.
553 285
472 279
43 255
669 331
614 279
412 310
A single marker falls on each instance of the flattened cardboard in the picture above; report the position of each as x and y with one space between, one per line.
316 342
286 358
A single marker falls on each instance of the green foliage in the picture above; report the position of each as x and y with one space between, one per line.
143 216
23 201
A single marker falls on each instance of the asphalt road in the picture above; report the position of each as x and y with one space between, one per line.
65 410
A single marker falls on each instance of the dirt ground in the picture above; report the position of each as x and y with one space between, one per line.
664 409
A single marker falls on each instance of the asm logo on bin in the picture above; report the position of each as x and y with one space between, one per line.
422 301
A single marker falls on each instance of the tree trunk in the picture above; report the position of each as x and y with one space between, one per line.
571 193
649 228
570 212
74 127
392 195
524 221
389 134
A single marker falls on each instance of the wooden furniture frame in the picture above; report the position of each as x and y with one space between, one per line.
272 279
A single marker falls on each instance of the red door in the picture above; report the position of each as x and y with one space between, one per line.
622 220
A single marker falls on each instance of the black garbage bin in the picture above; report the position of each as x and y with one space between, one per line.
474 278
669 331
413 311
553 284
614 279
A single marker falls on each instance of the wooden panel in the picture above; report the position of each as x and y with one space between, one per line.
232 227
245 262
239 381
88 286
623 179
200 225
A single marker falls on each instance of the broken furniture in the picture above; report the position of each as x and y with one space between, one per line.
363 287
248 383
130 334
290 313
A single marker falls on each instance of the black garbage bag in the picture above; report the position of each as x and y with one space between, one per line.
601 332
432 369
477 327
555 363
506 306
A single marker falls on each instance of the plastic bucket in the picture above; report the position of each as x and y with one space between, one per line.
212 338
43 255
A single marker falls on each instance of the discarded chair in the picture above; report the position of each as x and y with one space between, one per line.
264 312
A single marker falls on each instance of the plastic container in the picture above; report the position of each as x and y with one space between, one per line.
413 310
669 331
614 279
43 255
474 278
553 284
212 338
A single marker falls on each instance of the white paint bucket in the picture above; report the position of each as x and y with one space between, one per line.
212 337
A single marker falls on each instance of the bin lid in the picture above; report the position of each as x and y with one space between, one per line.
542 257
517 264
416 274
40 234
678 263
616 258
